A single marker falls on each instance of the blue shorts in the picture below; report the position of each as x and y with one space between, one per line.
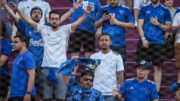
53 91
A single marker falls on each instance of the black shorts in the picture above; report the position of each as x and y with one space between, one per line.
38 80
4 84
79 37
20 98
155 53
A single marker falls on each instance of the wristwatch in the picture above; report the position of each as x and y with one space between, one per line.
28 92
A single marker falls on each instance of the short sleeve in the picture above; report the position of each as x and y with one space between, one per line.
48 9
137 4
21 26
176 20
67 29
29 61
120 65
99 14
122 89
154 93
6 48
40 28
20 6
130 16
167 15
98 6
142 13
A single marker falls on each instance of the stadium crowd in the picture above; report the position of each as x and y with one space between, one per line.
41 70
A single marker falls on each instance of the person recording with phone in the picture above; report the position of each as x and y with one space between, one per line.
114 18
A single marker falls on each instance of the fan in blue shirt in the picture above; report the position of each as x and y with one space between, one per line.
84 91
139 88
117 31
6 50
88 24
23 72
114 18
153 32
4 70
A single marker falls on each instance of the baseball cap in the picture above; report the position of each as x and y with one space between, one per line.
143 63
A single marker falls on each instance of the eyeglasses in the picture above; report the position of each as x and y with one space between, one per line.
54 19
86 79
36 12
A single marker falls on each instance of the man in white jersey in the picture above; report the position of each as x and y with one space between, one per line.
55 39
109 70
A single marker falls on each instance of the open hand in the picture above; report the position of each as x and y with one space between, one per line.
13 5
154 21
76 4
88 9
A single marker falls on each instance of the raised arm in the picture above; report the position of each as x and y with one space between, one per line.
28 20
10 12
81 19
70 12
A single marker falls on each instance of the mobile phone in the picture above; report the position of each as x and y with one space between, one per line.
105 11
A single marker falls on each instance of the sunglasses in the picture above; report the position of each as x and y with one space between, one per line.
86 79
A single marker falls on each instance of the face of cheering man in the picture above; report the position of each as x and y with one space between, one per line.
54 19
36 15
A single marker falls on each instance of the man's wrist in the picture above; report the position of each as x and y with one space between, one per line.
28 92
159 24
72 10
143 38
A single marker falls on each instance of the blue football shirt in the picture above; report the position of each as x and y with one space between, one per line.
153 33
123 14
6 50
19 80
36 46
133 90
88 24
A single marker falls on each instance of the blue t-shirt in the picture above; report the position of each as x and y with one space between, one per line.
153 33
177 11
6 50
133 90
19 80
36 46
88 24
77 93
123 14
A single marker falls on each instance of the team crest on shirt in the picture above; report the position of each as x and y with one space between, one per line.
121 12
148 12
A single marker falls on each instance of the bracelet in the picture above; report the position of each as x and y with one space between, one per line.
72 10
143 38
